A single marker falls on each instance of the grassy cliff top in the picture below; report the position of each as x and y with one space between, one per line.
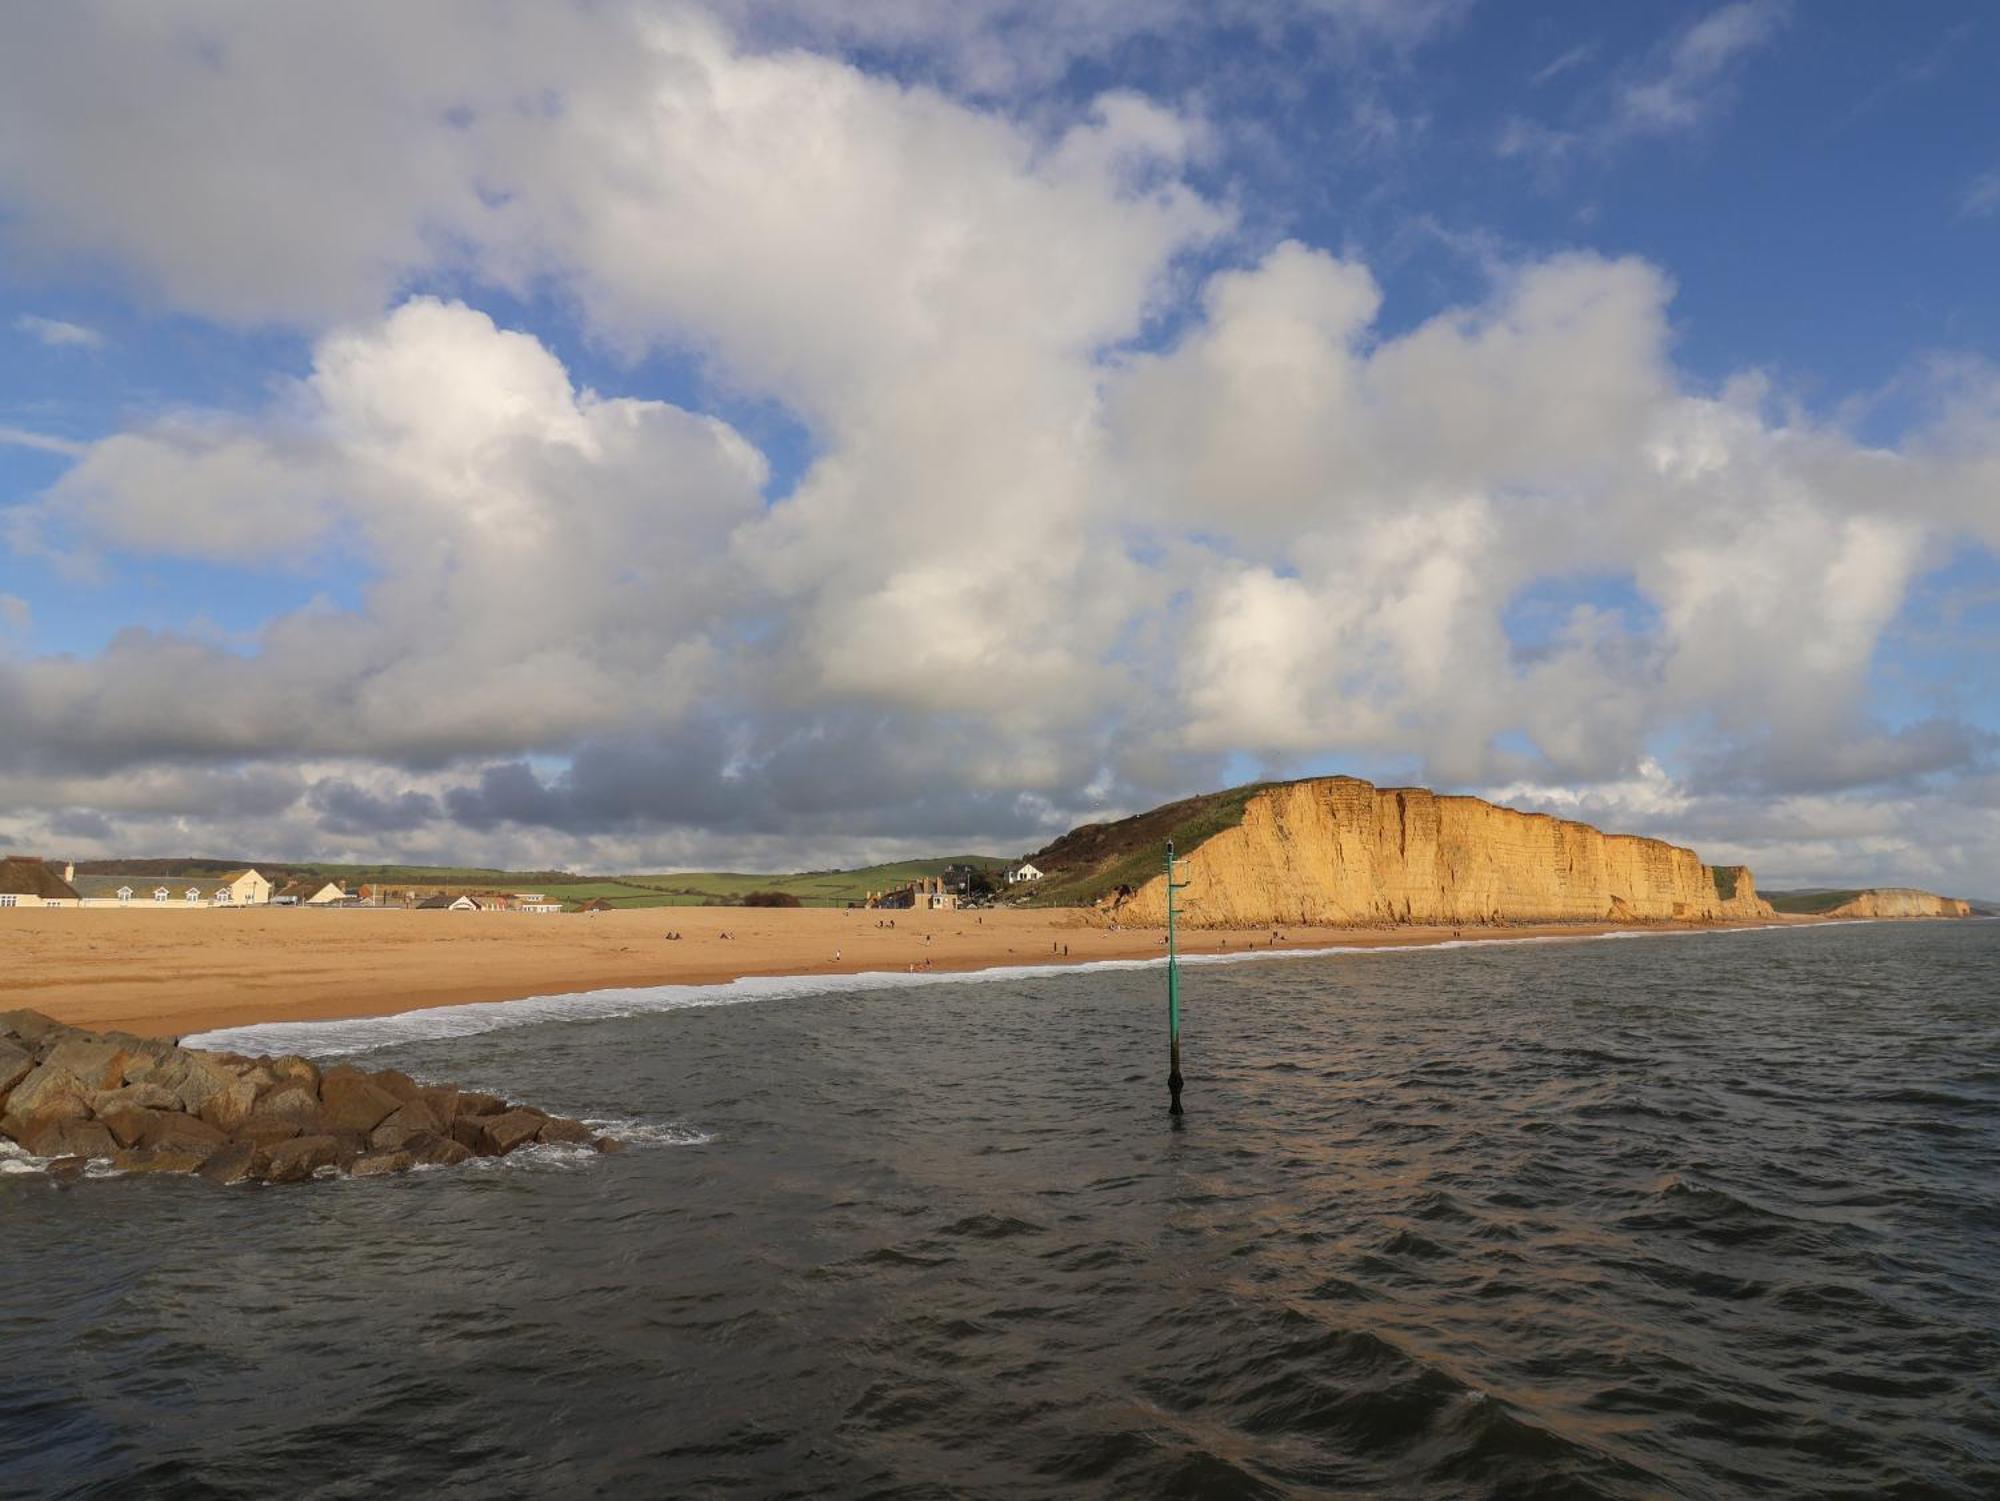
813 888
1094 860
1808 901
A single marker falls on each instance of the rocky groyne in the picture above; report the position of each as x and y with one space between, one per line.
1337 850
145 1105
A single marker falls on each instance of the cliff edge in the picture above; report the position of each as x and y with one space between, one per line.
1337 850
1900 901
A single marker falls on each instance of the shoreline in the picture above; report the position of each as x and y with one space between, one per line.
178 974
340 1036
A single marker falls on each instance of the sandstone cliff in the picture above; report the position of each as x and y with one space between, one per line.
1900 901
1337 850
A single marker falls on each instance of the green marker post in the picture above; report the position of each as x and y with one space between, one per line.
1174 1080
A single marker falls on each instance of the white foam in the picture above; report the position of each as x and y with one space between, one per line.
367 1033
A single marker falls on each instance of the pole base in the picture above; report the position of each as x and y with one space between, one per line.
1174 1082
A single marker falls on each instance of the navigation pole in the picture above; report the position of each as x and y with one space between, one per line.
1174 1080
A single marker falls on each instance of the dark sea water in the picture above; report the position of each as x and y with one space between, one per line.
1704 1216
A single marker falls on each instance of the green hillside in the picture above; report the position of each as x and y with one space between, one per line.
813 888
1090 862
350 876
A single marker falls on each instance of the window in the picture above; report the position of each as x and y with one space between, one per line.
159 893
9 901
222 893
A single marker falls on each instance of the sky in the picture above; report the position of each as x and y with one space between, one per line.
784 433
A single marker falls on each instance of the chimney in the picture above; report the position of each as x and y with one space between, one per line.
69 871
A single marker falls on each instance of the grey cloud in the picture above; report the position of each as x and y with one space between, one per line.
345 808
82 823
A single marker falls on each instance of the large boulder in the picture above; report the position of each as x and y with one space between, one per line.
29 1027
566 1132
235 1162
398 1083
412 1118
187 1133
193 1078
428 1149
301 1070
144 1095
16 1063
290 1110
49 1093
66 1137
374 1164
126 1122
231 1105
351 1101
501 1134
296 1160
98 1063
472 1102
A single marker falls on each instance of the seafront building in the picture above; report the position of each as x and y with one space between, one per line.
29 881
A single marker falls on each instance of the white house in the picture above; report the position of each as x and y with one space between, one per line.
242 888
1022 872
28 882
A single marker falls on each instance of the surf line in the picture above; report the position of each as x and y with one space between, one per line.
471 1018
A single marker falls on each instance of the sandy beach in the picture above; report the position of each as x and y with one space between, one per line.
165 974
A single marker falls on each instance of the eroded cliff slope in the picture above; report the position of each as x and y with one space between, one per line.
1338 850
1900 901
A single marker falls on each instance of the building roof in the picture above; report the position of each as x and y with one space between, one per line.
109 885
26 875
434 903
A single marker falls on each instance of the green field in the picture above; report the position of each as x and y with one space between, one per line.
813 888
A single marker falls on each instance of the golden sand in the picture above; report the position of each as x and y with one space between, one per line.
171 973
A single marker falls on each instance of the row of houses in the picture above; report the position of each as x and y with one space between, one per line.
28 881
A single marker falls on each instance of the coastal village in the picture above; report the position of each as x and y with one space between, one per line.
32 881
29 881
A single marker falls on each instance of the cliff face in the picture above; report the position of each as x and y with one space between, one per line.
1901 901
1337 850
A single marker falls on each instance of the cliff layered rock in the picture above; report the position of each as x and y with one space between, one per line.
1336 850
1900 901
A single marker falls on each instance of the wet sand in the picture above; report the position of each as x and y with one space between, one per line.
172 973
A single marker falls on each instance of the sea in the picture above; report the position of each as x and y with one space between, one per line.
1681 1215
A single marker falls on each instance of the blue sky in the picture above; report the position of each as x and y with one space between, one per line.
761 433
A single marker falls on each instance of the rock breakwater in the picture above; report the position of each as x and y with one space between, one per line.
146 1105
